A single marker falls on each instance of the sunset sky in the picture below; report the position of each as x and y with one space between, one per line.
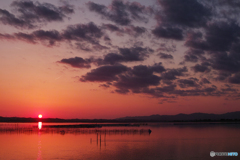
111 59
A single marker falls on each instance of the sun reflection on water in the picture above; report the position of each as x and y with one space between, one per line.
39 156
39 125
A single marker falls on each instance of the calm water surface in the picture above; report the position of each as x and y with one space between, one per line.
24 141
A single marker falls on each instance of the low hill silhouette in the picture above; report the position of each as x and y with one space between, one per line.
231 116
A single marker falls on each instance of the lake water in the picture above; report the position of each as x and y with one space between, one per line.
23 141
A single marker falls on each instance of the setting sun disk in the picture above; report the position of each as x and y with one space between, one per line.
39 116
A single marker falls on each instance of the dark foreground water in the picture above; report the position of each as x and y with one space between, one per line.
166 142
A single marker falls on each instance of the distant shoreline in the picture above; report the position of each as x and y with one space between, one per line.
52 120
231 117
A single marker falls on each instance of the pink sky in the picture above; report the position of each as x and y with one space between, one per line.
110 59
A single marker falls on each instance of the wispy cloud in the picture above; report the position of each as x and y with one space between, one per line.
30 14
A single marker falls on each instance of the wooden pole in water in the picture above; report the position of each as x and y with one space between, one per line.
97 139
100 140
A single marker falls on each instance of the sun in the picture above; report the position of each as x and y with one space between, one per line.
39 116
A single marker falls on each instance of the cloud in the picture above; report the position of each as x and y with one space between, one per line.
234 51
138 11
190 58
136 83
167 48
39 35
130 30
225 62
220 41
6 36
213 43
122 91
38 11
30 14
193 55
195 40
168 33
203 67
205 81
104 73
165 56
111 27
124 55
125 79
235 79
226 9
134 30
8 18
213 39
77 62
86 46
120 12
185 83
85 36
171 91
206 91
51 36
140 77
228 88
171 74
189 13
127 55
88 32
197 91
67 9
25 37
215 33
166 89
157 67
222 76
106 85
117 14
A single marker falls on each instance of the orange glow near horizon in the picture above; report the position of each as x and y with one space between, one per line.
39 116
